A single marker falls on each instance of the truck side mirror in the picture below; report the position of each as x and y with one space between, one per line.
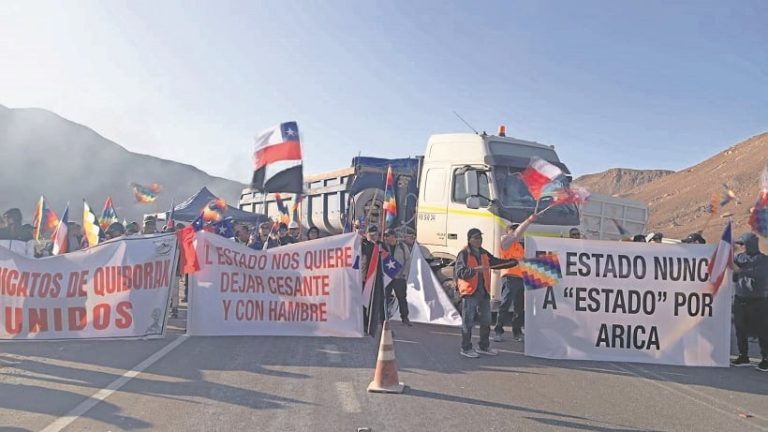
470 183
473 202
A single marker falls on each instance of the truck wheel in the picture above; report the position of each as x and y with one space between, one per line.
369 204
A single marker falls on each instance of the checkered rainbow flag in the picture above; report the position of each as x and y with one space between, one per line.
542 271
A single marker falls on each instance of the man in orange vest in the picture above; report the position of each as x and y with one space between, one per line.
473 278
512 288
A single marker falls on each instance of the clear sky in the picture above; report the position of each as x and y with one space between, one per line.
647 84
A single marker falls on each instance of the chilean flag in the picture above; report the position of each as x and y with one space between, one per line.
720 261
370 278
539 174
277 160
60 237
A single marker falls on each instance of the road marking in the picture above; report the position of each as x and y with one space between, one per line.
704 399
346 393
334 355
115 385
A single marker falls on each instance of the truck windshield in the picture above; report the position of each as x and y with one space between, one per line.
512 192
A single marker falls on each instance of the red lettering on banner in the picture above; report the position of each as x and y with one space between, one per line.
227 303
297 311
77 283
38 320
148 270
13 318
317 259
58 322
123 311
78 318
101 316
242 283
25 284
249 310
207 254
304 286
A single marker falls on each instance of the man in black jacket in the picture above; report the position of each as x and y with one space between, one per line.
750 302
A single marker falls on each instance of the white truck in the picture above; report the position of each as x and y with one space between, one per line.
600 211
463 181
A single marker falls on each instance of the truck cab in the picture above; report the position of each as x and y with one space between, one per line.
473 181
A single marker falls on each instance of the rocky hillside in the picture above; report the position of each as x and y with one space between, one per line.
617 181
678 201
46 154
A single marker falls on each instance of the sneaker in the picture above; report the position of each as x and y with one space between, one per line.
741 361
488 351
518 338
469 353
763 366
497 338
407 322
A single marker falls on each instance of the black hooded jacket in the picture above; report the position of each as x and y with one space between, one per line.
751 272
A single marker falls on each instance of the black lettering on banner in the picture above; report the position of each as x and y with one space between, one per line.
627 336
694 304
549 299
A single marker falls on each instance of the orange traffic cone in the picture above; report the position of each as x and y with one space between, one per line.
385 378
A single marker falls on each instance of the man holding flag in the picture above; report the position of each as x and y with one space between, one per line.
396 263
473 278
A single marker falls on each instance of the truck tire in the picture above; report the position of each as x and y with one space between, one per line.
369 204
445 276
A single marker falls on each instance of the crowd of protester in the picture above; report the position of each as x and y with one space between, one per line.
472 274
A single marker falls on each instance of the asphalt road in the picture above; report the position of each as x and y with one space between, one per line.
319 384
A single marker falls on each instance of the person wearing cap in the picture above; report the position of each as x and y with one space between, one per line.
402 256
472 273
694 238
114 230
293 231
409 239
511 310
150 225
375 306
264 239
132 228
750 301
282 233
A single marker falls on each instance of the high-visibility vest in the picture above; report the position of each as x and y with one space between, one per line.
468 287
516 251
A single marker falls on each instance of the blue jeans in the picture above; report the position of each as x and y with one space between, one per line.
512 297
476 307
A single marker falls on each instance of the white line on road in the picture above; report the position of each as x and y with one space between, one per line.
334 355
115 385
347 397
712 403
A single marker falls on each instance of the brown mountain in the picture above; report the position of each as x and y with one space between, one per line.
617 181
678 201
47 154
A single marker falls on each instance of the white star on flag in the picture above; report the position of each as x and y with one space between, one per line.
391 265
290 132
222 230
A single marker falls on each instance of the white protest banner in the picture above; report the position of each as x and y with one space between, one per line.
632 302
305 289
427 302
118 289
